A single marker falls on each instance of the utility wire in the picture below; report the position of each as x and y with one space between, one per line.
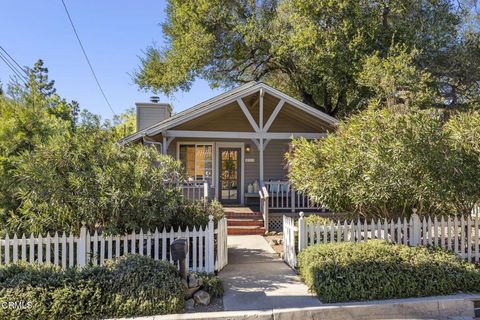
11 58
86 58
12 67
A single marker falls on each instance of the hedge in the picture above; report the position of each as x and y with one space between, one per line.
128 286
348 271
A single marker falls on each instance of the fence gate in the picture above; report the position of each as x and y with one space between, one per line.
289 254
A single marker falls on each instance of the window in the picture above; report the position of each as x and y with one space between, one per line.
197 160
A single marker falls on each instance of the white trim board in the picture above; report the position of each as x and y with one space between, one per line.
243 135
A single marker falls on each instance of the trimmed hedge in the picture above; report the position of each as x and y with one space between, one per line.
375 269
129 286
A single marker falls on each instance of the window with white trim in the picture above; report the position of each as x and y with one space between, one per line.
198 160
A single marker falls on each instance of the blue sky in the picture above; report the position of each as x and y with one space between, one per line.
114 33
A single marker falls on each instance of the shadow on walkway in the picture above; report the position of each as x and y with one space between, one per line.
257 279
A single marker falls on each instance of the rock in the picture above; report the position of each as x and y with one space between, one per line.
200 282
189 304
185 284
273 242
190 291
193 280
201 298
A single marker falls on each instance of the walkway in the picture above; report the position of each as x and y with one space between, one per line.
257 279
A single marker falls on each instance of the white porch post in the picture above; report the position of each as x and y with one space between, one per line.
164 144
260 115
261 162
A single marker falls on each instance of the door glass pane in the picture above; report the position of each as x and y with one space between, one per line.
229 166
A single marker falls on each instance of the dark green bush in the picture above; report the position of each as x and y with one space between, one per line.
375 269
212 284
195 213
128 286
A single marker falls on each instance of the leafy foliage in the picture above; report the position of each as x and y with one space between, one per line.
89 177
190 214
317 220
212 284
375 270
383 163
59 168
129 286
317 50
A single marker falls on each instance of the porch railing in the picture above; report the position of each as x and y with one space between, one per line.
282 196
195 190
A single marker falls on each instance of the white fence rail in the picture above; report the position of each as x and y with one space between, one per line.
207 247
457 234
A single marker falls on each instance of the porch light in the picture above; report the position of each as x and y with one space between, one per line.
247 148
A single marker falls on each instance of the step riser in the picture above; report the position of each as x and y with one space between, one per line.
243 215
244 223
245 232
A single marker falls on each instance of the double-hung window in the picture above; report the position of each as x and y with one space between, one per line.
197 160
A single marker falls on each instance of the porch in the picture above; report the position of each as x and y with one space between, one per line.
275 200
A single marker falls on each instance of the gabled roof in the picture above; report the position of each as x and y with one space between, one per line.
222 100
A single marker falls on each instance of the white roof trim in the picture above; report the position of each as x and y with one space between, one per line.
220 101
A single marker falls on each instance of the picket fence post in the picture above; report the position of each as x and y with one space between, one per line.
416 229
210 245
82 246
301 232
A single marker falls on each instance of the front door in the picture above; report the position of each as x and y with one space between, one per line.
229 178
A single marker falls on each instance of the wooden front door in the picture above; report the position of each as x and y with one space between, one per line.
229 178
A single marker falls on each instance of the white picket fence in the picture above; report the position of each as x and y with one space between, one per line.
457 234
207 247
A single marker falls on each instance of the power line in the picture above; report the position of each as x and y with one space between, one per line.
86 58
12 67
11 58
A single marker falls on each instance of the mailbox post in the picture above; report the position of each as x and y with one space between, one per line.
178 252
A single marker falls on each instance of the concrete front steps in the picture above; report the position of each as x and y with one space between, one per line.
244 221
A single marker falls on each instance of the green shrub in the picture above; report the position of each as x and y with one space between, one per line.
195 213
384 162
212 284
375 269
317 220
128 286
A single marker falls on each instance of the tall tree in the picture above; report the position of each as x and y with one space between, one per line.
312 49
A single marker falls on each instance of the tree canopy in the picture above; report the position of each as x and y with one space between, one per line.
317 50
59 167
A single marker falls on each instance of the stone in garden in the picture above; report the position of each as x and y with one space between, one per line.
193 280
200 281
189 304
201 298
185 284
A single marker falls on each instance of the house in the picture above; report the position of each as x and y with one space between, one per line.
235 143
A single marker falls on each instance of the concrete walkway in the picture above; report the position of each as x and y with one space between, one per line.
257 279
